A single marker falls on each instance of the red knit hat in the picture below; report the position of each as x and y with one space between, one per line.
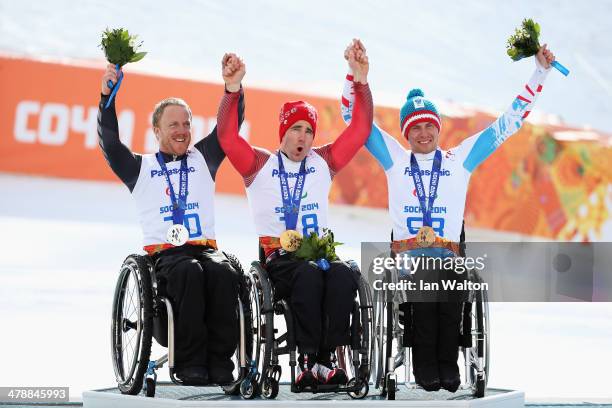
291 112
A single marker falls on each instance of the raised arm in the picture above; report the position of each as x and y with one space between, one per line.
477 148
124 163
344 148
240 153
210 146
378 139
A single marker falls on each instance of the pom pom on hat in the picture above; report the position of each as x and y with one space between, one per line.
415 92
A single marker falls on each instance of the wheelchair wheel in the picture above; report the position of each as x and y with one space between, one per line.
366 328
356 359
477 356
269 388
363 390
248 389
359 354
241 366
385 335
391 385
261 340
150 387
233 260
132 324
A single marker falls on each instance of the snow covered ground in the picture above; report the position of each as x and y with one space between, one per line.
455 51
63 242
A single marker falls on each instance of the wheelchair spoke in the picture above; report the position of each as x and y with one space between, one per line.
128 358
131 293
128 343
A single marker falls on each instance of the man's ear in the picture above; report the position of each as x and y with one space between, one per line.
156 130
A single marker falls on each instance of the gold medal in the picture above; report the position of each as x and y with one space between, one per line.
290 240
426 236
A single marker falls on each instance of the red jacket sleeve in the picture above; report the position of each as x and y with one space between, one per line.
239 152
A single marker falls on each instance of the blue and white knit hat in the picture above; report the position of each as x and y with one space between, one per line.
417 109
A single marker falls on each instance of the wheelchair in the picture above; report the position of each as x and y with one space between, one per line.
391 350
355 358
140 314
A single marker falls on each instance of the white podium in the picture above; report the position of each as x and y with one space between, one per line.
170 395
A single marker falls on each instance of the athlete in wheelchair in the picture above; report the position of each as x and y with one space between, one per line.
143 310
337 358
184 278
407 320
427 195
288 190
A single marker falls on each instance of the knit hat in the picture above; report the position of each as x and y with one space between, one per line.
417 109
291 112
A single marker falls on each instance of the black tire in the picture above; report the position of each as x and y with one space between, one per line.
356 358
385 342
235 262
248 389
480 388
478 355
243 293
366 334
262 324
133 286
391 389
269 388
241 372
378 347
363 390
150 387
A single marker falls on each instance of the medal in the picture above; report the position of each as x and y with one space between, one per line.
426 236
177 235
290 240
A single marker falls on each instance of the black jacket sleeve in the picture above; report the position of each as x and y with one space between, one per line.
210 147
124 163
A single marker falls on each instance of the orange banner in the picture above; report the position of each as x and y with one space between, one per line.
49 116
535 184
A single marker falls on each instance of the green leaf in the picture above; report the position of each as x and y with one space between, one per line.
525 40
138 56
120 47
314 247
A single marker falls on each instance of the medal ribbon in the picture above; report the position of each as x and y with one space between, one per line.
178 205
114 87
433 185
291 205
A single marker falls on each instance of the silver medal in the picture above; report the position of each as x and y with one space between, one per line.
177 235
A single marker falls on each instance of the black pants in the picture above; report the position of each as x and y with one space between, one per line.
203 289
321 301
436 322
